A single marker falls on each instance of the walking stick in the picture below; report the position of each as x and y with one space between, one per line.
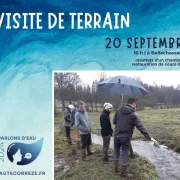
131 150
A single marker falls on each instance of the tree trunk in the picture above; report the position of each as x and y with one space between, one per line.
63 105
96 108
92 107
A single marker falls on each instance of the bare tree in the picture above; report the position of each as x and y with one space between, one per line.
68 89
95 93
65 85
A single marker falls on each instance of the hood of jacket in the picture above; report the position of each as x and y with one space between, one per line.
127 109
106 112
81 111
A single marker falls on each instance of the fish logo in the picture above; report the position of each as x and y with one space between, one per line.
23 154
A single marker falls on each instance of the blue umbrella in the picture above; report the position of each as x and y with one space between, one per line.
122 85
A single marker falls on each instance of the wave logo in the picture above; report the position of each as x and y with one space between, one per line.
23 154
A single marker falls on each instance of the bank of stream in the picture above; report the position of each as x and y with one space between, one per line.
167 162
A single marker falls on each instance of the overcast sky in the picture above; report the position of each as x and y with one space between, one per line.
160 77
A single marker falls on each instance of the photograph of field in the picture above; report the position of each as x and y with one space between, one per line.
159 111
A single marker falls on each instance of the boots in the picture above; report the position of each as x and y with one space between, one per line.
83 155
69 141
78 144
116 164
105 155
89 152
124 170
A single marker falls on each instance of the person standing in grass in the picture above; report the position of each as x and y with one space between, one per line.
73 115
76 131
67 123
84 126
106 129
125 120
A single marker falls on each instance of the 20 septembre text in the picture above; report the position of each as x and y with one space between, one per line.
144 42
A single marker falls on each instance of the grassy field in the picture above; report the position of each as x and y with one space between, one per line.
162 124
96 169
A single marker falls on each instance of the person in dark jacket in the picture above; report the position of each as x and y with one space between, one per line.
73 115
67 123
76 131
125 120
106 129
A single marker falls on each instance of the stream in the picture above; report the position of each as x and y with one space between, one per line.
167 162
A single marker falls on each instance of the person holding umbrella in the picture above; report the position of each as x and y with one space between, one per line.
125 119
106 129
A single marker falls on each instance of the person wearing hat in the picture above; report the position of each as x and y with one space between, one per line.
106 129
67 123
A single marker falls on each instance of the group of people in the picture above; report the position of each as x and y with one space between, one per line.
125 119
77 116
